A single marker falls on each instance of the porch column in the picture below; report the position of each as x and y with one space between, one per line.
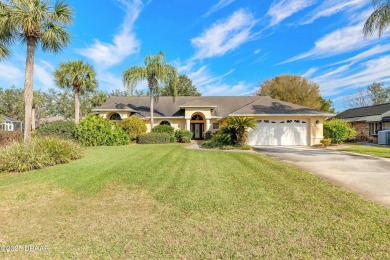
207 125
188 124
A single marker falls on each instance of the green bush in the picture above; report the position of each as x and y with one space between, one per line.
64 130
164 129
338 130
154 138
182 136
326 142
7 138
41 152
208 135
173 139
98 131
133 127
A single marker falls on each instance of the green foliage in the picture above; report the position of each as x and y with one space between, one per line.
184 88
133 127
379 20
173 139
238 128
295 89
65 130
98 131
40 153
208 135
164 129
338 130
182 136
154 138
326 142
7 138
378 93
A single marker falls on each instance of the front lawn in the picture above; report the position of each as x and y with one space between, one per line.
165 201
379 151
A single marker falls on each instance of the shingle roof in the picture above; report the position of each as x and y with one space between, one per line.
365 111
224 106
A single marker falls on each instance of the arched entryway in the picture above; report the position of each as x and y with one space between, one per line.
197 125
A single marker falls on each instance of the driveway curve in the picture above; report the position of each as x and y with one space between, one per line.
366 175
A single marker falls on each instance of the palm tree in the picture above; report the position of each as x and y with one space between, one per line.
379 19
238 127
79 76
33 22
155 72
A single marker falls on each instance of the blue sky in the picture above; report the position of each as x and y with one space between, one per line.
227 47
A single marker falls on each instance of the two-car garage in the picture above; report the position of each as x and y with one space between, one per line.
276 132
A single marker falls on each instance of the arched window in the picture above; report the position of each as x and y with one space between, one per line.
115 116
197 117
165 123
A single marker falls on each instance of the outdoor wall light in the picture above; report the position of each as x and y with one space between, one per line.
317 122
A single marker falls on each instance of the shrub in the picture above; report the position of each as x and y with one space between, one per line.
98 131
338 130
326 142
172 139
40 153
208 135
183 135
164 129
238 128
64 130
154 138
133 127
7 138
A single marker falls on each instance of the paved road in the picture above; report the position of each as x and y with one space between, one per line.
365 175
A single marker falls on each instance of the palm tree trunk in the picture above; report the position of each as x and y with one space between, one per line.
151 108
33 120
76 106
28 88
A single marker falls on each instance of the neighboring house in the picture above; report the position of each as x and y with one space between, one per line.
9 124
279 123
368 121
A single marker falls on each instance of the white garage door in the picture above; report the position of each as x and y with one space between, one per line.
280 132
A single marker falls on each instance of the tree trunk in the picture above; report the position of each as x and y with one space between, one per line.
151 108
76 106
33 119
28 88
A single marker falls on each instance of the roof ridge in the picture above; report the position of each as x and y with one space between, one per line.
258 97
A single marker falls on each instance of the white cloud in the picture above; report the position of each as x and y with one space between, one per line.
331 7
124 44
309 72
378 49
239 89
43 76
285 8
218 6
257 51
202 76
10 75
224 36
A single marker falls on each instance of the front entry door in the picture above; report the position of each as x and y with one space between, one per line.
197 131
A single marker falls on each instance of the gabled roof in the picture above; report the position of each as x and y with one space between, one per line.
363 112
222 106
9 119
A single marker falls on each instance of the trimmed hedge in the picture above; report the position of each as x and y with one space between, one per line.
154 138
164 129
338 130
133 127
40 153
66 130
98 131
7 138
182 136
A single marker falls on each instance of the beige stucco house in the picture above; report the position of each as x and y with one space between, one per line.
279 123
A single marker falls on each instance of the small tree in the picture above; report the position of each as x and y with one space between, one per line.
338 130
133 127
238 127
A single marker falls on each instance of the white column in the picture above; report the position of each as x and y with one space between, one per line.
207 125
188 124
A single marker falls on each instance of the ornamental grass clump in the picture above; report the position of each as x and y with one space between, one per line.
40 153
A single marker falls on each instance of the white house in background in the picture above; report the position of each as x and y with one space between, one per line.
9 124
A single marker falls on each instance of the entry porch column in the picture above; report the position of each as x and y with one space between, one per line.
207 125
188 124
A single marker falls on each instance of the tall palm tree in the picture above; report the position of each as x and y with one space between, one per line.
79 76
156 72
379 20
33 22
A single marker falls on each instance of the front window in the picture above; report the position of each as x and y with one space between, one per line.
165 123
197 117
215 126
375 128
115 116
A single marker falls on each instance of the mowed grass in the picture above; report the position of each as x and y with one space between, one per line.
165 201
379 151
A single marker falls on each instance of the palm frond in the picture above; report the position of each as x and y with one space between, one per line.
62 13
54 38
132 76
379 20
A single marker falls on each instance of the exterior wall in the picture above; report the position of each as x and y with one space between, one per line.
363 132
386 126
191 110
177 124
106 114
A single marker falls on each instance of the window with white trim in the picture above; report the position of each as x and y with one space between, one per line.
375 128
215 126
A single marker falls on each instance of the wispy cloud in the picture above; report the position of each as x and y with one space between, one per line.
283 9
310 72
43 73
124 44
202 76
224 36
240 89
218 6
9 74
332 7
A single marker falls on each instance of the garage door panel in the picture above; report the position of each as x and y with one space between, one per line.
280 132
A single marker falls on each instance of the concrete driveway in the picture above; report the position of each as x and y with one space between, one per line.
365 175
